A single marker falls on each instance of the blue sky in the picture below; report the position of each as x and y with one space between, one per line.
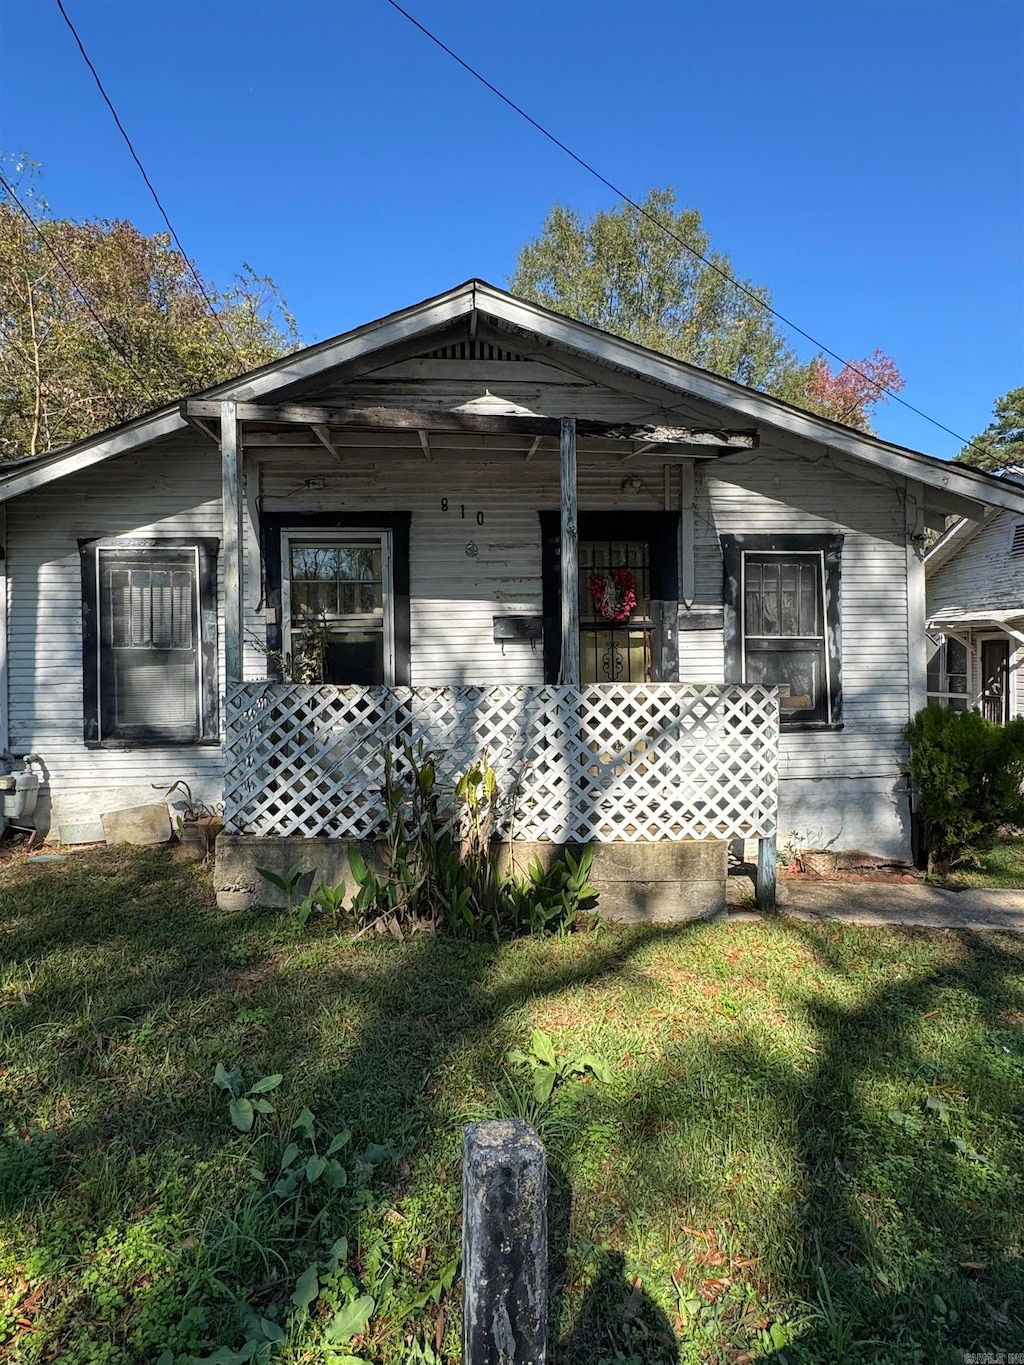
863 160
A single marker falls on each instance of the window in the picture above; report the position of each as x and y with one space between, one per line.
783 622
351 568
149 642
947 674
343 581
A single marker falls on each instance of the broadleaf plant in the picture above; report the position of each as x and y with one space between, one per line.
244 1104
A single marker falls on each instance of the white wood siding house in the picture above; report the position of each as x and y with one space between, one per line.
766 546
975 616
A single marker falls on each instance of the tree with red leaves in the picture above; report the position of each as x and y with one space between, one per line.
848 395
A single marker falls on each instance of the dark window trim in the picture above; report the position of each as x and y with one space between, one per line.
208 548
398 523
831 549
661 530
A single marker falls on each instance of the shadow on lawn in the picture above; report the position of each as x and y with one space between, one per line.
869 1299
128 988
384 1039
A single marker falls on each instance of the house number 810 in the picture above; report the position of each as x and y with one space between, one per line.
462 511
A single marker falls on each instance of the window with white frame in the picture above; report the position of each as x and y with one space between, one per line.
782 622
149 642
340 582
948 682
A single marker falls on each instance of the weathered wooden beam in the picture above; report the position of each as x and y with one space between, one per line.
570 556
323 435
645 449
201 425
425 444
504 1244
231 538
425 419
917 685
534 447
4 702
687 533
767 872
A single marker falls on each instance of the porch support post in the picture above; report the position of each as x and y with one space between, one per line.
686 531
4 704
767 868
918 661
231 547
570 558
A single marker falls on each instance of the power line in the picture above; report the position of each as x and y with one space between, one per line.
6 184
149 185
639 208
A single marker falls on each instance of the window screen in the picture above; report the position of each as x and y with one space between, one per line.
782 596
783 631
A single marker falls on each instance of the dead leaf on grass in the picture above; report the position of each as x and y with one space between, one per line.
713 1289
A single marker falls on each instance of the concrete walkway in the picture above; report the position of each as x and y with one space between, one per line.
898 903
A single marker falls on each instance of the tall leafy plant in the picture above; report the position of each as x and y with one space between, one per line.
967 775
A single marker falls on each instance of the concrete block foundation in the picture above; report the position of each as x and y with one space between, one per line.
637 883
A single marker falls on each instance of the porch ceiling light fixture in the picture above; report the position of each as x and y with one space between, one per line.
492 405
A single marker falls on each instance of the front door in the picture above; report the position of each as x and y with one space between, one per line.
628 596
995 680
616 626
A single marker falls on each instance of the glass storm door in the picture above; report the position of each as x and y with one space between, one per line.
616 639
995 679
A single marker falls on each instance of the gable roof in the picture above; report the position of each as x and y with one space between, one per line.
952 541
952 483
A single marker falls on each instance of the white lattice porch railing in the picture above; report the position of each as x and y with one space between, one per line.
636 761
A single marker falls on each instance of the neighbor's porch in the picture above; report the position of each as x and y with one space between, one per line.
975 662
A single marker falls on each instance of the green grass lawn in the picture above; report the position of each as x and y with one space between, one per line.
1001 866
810 1149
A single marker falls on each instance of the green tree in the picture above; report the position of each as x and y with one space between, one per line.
1001 445
60 377
621 271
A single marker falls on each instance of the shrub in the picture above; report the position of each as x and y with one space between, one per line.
967 776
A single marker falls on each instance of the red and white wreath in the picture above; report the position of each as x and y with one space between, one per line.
613 594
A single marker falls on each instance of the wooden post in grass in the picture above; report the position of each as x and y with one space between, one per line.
504 1244
767 871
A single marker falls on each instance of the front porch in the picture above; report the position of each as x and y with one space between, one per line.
623 764
639 760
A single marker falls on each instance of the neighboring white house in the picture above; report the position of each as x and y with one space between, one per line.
975 616
409 478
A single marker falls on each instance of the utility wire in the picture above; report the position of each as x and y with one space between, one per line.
6 185
149 186
639 208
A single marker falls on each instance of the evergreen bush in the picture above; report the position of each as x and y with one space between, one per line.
967 775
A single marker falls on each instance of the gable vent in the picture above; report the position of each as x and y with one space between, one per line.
472 350
1017 540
